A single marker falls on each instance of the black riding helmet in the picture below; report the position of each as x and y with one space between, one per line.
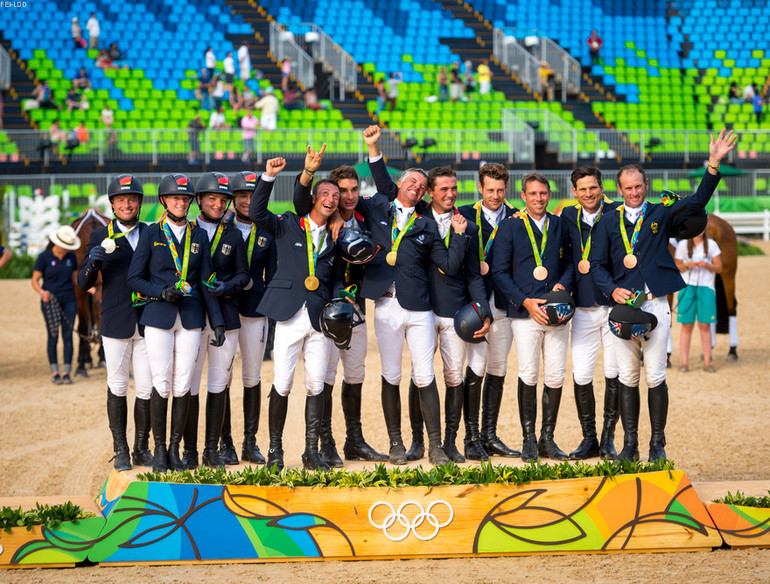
559 307
243 181
337 320
125 184
468 320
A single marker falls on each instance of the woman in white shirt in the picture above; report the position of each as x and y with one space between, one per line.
699 259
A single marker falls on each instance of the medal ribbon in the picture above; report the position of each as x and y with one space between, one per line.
395 235
312 254
217 237
637 228
484 249
537 253
181 267
586 249
252 239
449 230
111 231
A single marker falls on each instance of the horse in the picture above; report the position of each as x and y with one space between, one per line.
89 303
724 235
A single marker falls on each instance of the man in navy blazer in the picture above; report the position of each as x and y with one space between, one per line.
590 327
630 257
397 280
122 340
530 260
302 285
492 357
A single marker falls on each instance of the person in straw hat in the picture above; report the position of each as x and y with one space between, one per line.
57 268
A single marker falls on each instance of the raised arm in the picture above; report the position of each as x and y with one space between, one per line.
258 211
379 170
303 201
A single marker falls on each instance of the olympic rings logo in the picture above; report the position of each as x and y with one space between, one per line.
408 526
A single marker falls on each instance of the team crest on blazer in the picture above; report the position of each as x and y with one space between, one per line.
226 248
261 241
654 228
421 239
195 247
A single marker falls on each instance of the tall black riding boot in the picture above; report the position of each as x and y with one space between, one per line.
314 411
328 452
546 446
417 449
628 398
276 419
226 447
178 422
657 401
215 415
471 406
158 410
355 447
391 409
453 411
190 452
431 413
586 409
527 395
611 413
117 416
492 396
141 455
251 408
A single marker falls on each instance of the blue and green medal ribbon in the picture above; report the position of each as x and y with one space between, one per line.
183 264
540 272
629 261
311 282
396 236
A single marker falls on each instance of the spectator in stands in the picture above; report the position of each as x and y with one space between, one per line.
194 128
112 146
249 99
749 93
81 132
244 61
547 80
44 96
311 100
217 120
236 101
218 91
455 83
115 53
382 96
470 80
94 30
735 93
107 117
76 100
77 34
211 61
104 61
393 81
73 141
285 73
229 66
758 102
56 133
594 46
291 98
203 92
485 77
443 84
249 125
269 105
82 81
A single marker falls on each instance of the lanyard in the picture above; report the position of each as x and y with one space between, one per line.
586 249
637 228
538 254
312 253
449 229
217 237
111 231
252 239
181 267
395 235
484 249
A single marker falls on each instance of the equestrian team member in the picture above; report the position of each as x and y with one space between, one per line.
397 280
109 252
300 288
490 357
630 256
170 264
529 261
228 260
590 327
354 357
261 259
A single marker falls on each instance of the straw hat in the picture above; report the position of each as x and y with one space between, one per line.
65 237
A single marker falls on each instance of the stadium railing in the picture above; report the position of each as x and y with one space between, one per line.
282 45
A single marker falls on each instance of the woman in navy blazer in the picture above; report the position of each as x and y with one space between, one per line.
169 271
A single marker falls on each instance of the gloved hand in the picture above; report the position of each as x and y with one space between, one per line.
219 336
220 290
97 255
171 294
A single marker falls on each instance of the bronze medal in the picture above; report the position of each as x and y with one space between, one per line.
540 273
484 268
311 283
391 258
629 261
584 266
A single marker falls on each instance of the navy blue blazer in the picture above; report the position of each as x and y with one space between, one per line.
655 266
228 260
118 317
152 269
469 213
450 293
263 265
286 292
514 262
585 291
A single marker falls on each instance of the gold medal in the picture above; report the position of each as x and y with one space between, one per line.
391 258
484 268
311 283
629 261
584 266
540 273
